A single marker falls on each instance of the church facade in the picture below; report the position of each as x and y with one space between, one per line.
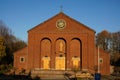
60 43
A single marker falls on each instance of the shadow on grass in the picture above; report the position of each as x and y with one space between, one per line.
17 77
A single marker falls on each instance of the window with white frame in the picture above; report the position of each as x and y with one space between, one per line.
101 60
22 59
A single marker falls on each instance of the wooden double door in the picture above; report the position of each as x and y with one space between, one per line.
60 63
46 63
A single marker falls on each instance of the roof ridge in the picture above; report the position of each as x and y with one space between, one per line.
46 20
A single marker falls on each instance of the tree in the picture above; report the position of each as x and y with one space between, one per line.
109 42
2 53
2 49
103 40
11 42
115 48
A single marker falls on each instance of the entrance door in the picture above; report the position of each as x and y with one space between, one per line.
76 62
60 63
46 63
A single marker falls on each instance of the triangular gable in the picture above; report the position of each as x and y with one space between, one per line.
62 14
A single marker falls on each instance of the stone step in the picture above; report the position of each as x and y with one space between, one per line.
51 72
50 76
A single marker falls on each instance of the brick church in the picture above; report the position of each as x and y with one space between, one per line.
61 43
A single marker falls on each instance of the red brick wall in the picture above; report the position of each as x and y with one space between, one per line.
20 54
78 41
73 30
105 65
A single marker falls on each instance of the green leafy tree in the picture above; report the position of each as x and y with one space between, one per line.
2 54
2 49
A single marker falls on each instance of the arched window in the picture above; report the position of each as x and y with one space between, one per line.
76 53
60 58
45 47
60 46
45 53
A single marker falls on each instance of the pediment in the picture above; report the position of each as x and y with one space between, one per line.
61 23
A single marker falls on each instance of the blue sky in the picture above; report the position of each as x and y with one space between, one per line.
22 15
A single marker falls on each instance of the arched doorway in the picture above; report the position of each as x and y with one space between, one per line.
60 59
45 53
76 53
